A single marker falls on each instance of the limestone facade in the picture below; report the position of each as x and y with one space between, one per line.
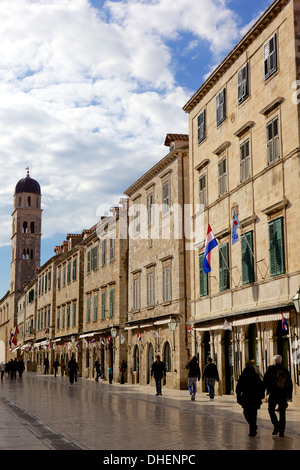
244 156
158 273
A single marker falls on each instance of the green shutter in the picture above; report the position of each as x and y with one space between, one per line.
103 305
111 302
88 309
223 267
276 240
247 258
203 278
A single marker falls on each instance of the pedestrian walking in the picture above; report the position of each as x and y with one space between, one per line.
277 381
55 367
110 374
62 367
20 367
193 375
2 369
122 369
98 369
158 371
250 391
211 375
46 365
72 368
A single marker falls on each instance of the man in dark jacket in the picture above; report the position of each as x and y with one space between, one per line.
277 381
159 371
211 375
194 375
250 392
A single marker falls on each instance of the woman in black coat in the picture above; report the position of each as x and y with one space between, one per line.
250 392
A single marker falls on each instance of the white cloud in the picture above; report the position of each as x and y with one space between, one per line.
87 96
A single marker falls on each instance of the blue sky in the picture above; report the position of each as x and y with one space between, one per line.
88 91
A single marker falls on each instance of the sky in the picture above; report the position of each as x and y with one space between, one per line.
88 91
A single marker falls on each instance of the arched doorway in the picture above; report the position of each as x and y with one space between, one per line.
253 350
150 361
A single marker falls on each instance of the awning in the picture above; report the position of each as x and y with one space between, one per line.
246 321
55 340
87 335
261 319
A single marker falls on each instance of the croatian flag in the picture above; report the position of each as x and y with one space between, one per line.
210 243
235 226
284 323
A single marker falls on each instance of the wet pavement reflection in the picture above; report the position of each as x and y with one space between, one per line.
47 412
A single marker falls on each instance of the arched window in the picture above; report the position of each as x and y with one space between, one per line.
29 201
25 227
167 357
31 254
31 227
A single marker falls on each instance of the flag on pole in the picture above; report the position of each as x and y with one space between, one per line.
122 339
235 226
189 329
77 344
210 243
155 334
226 325
139 337
284 322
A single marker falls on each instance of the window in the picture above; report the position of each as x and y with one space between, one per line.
74 271
69 272
166 198
68 316
203 278
111 248
276 246
273 141
222 177
136 294
150 209
103 305
224 267
74 314
270 57
221 107
243 84
247 258
245 160
150 290
58 319
88 301
64 276
111 302
95 310
94 258
166 284
137 218
88 266
31 227
63 317
58 278
201 126
202 190
103 251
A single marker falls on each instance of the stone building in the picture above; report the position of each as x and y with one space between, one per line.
244 157
105 254
158 270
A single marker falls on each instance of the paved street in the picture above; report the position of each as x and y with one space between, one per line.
41 412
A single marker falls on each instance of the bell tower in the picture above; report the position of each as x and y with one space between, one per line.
26 234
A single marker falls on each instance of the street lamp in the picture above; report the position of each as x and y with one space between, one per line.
296 301
113 332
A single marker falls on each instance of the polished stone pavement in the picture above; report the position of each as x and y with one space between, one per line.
43 412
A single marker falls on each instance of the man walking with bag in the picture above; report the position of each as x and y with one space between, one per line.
211 375
158 370
277 381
